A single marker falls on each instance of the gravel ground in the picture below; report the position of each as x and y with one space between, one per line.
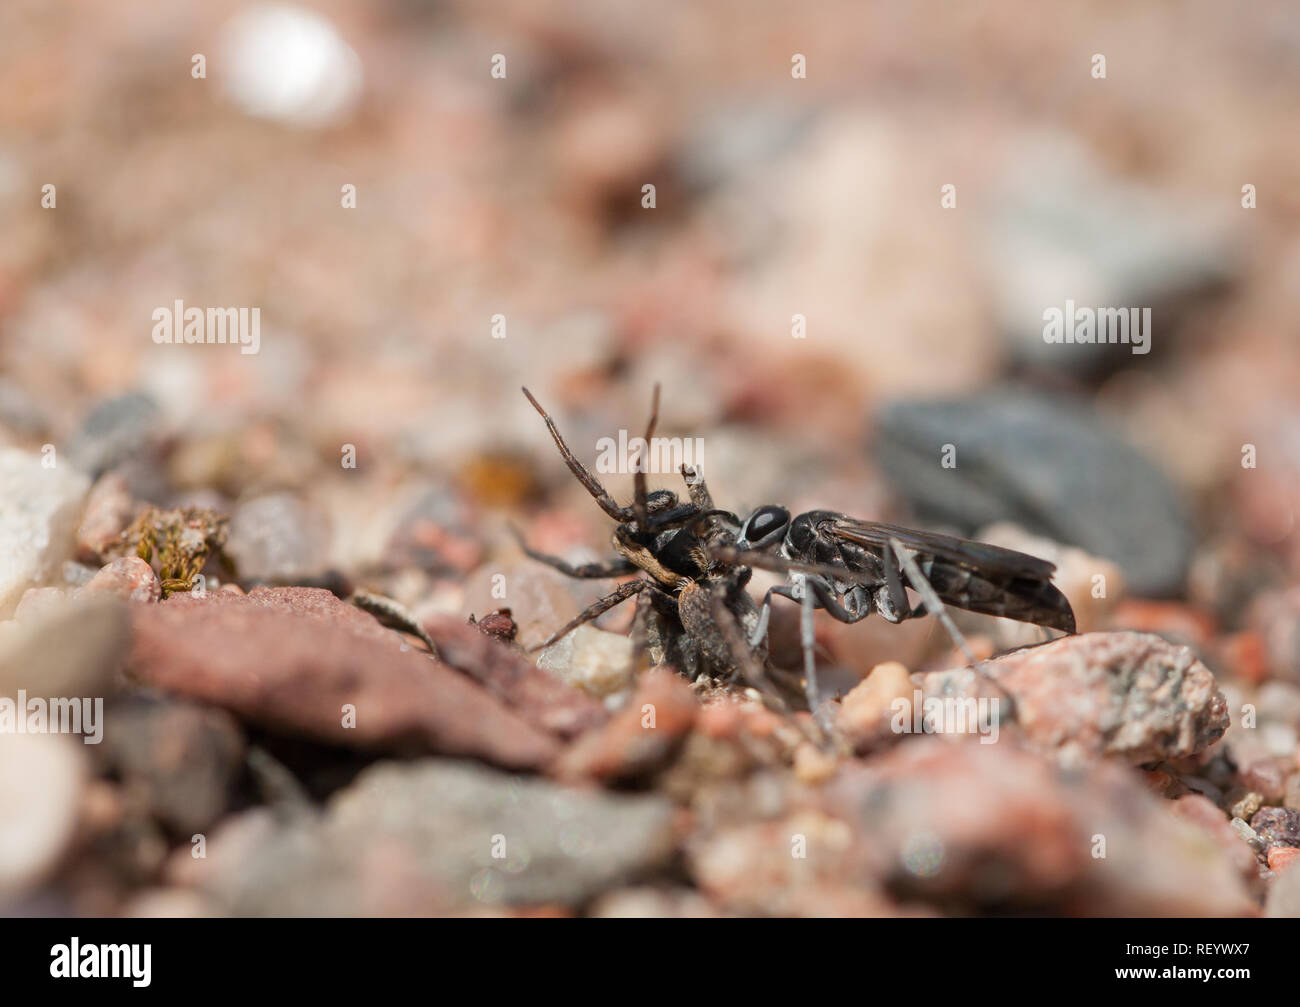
282 575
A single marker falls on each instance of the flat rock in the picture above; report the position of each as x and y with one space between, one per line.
1131 695
420 837
291 659
543 699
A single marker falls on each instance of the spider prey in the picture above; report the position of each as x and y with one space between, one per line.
693 609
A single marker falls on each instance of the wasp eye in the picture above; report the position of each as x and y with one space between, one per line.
765 526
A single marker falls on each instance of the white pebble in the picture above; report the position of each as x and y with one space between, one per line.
39 511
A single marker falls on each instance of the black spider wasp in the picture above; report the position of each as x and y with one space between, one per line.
693 609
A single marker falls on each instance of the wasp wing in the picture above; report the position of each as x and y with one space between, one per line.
972 575
963 552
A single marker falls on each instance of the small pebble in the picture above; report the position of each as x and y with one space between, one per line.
1277 826
598 662
1246 807
812 766
129 578
1246 832
1264 777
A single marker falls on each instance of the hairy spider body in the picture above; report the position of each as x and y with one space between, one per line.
695 560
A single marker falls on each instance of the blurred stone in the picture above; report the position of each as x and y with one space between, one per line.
1275 616
41 782
1049 466
278 537
129 578
866 713
1283 901
541 600
167 904
996 827
1291 798
640 738
20 412
72 649
804 863
301 661
653 903
39 509
1202 811
115 431
183 758
109 509
1281 856
289 64
1080 697
593 660
541 698
39 603
1245 807
1266 777
1062 228
434 836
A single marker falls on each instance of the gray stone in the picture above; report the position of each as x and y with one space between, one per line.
419 837
113 431
1050 466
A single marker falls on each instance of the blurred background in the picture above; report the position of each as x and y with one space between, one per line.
776 195
861 213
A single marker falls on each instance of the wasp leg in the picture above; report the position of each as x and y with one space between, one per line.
922 586
808 640
779 564
586 571
619 595
583 474
857 609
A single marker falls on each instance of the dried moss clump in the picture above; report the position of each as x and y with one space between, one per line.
183 538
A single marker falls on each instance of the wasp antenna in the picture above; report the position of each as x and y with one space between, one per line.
529 395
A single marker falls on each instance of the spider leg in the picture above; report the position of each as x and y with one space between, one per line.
751 669
697 488
641 656
583 474
922 586
585 571
639 507
619 595
742 656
